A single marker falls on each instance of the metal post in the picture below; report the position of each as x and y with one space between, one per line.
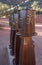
12 39
18 45
27 55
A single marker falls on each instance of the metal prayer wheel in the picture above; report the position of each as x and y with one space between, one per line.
16 19
32 19
22 21
21 42
27 30
12 38
27 22
12 33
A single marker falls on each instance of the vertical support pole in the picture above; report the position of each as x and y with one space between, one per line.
27 55
12 40
18 44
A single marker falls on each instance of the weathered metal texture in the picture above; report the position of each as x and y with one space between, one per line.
16 19
14 28
27 22
32 19
12 40
27 54
22 21
18 45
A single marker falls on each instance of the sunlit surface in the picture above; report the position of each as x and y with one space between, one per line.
39 33
38 25
26 1
38 28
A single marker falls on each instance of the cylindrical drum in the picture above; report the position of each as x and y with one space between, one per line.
32 19
16 19
27 22
22 21
27 55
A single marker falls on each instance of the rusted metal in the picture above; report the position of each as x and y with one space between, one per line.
18 45
27 22
23 48
32 19
12 40
27 55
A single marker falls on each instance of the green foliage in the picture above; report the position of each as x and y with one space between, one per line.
3 8
35 6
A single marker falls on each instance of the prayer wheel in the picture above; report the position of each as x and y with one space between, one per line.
14 29
24 47
32 19
27 22
12 34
